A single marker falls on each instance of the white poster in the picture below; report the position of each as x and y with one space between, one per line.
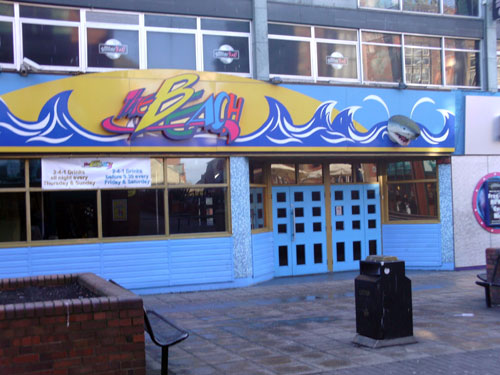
95 173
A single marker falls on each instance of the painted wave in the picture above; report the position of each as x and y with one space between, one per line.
323 131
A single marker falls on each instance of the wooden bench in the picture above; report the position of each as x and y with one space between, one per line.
163 332
487 284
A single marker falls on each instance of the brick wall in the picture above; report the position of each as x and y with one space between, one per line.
491 257
98 336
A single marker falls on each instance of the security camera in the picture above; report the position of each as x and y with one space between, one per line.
30 65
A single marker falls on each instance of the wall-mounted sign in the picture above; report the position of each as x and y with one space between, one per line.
92 173
486 202
226 54
172 111
113 49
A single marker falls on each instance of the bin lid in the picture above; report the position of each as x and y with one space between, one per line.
381 258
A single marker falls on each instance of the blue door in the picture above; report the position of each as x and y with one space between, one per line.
299 230
356 231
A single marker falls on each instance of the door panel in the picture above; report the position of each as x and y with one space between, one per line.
299 230
355 224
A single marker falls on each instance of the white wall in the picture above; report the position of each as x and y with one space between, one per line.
470 238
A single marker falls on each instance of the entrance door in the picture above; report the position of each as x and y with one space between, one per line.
299 230
356 231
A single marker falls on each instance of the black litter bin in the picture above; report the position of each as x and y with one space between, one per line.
383 303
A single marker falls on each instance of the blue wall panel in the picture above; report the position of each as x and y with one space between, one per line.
135 265
195 261
65 259
419 245
263 256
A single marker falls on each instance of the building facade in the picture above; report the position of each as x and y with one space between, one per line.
189 145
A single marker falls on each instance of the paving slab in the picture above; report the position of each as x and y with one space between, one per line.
305 325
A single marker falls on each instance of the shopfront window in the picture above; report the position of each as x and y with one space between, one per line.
258 190
60 215
6 42
430 6
108 48
412 190
461 7
192 190
283 174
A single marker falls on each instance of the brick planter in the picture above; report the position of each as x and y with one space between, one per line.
491 257
100 335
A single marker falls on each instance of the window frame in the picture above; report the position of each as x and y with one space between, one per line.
385 195
440 12
29 188
15 27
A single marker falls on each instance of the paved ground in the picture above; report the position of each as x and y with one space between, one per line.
305 325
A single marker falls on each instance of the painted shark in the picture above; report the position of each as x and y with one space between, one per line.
402 130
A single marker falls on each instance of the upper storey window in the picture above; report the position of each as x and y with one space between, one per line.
449 7
71 39
311 52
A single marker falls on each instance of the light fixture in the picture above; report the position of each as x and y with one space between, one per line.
402 85
275 80
27 66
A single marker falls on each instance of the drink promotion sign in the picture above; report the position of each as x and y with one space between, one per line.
95 173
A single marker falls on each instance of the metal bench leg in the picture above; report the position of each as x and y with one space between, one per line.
487 295
164 360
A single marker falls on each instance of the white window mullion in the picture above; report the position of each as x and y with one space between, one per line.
314 55
199 45
143 50
82 32
18 38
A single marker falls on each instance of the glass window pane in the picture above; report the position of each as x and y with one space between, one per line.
51 45
340 34
112 48
366 172
283 174
340 173
12 217
337 60
429 6
381 63
63 215
381 38
157 177
6 43
411 170
384 4
422 41
423 66
469 44
170 21
171 51
256 172
257 216
292 30
6 10
108 17
11 173
310 174
226 54
35 173
197 210
289 57
464 8
417 201
196 170
132 212
462 68
49 13
225 25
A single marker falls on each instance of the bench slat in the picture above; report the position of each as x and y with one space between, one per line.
162 331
